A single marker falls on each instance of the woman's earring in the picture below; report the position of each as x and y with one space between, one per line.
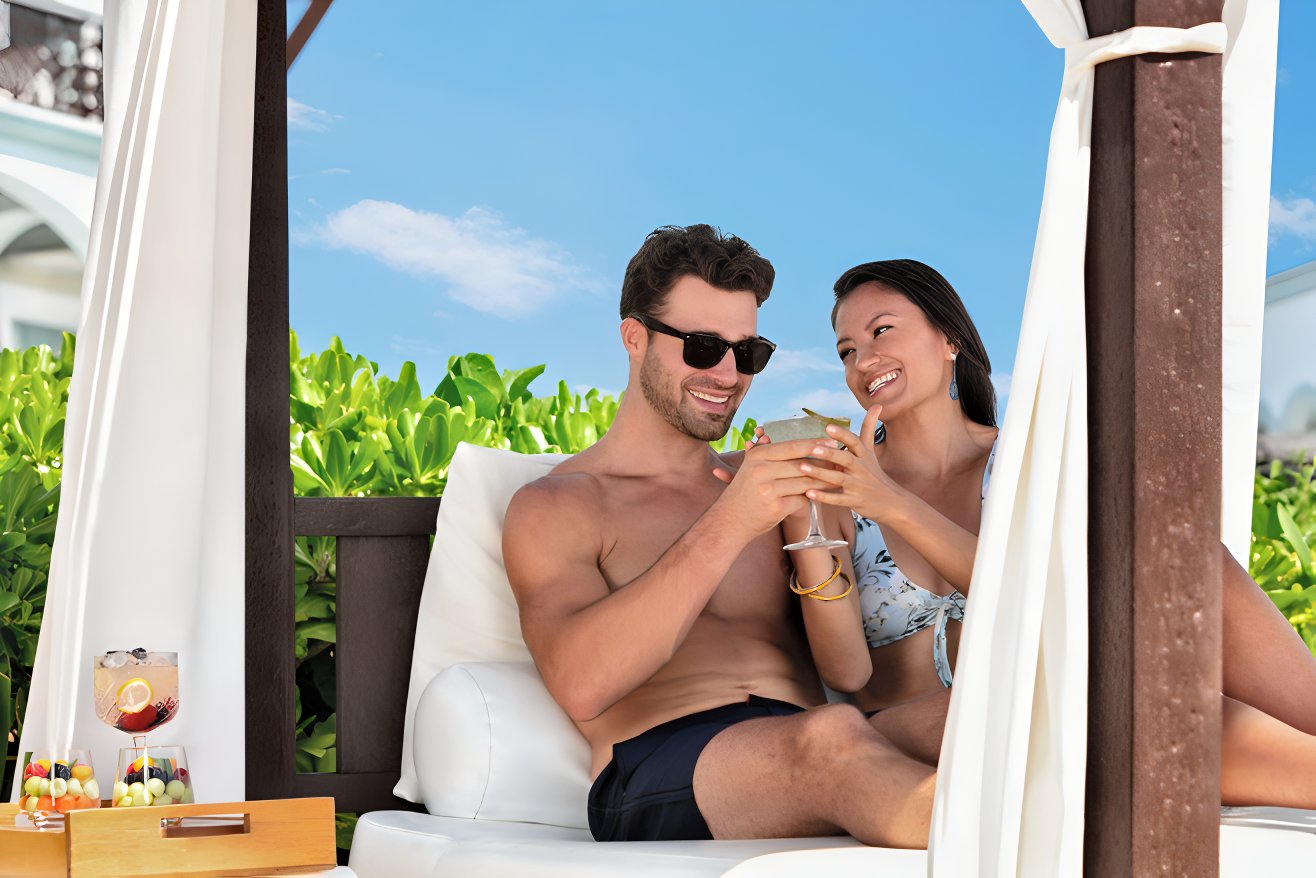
954 385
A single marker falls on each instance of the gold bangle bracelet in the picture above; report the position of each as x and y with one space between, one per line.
795 581
849 587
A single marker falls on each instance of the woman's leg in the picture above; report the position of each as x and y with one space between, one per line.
1263 761
1266 664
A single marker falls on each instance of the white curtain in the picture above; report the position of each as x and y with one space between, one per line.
1010 792
1249 122
149 546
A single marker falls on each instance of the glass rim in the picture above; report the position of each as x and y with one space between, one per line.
99 659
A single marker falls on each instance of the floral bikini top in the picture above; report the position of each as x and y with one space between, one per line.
891 605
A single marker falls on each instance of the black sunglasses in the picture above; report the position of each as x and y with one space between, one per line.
703 351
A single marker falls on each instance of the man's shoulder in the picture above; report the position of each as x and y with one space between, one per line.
569 486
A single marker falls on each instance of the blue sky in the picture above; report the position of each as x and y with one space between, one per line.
475 176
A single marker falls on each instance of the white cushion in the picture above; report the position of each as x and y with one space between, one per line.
402 844
467 612
492 744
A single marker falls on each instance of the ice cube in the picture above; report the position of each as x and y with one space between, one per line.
115 659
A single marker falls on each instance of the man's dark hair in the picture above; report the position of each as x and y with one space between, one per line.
672 252
937 299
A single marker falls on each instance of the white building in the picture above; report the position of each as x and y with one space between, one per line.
50 135
1288 364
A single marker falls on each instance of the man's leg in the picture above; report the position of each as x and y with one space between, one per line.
819 772
1266 664
916 726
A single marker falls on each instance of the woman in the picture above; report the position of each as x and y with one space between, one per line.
911 503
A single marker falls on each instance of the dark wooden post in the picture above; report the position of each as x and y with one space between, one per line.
1153 314
270 666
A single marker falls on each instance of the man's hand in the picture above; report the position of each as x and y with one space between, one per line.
768 487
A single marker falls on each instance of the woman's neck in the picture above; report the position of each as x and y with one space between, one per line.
932 441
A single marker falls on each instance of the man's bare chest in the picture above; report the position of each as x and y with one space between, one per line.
640 527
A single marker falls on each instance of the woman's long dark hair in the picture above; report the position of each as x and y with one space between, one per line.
925 287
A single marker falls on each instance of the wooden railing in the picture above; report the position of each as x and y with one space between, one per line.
382 547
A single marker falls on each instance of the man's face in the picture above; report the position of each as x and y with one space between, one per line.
698 402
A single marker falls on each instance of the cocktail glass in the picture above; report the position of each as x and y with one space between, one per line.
810 426
136 692
152 776
56 783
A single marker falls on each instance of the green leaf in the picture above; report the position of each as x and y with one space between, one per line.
480 368
8 600
1293 535
6 700
318 630
518 386
485 402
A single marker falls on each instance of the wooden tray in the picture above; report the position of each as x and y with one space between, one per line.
275 837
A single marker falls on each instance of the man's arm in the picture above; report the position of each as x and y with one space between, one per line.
594 646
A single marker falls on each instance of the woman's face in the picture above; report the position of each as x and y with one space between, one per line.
893 356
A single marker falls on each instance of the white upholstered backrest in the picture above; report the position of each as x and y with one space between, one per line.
488 740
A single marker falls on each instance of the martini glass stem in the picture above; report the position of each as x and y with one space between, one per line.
815 532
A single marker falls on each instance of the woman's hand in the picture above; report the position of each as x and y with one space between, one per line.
857 480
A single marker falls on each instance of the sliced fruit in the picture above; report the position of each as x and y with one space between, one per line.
134 696
92 790
139 721
81 772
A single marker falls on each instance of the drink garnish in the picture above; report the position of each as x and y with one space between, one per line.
840 422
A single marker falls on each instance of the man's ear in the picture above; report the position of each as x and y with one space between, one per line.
634 337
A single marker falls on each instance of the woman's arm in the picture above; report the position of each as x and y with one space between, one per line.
860 483
833 624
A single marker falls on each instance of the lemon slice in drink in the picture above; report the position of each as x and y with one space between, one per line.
133 696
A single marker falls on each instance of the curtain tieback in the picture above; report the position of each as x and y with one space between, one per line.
1142 40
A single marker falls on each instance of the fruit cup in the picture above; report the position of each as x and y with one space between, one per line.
152 776
55 783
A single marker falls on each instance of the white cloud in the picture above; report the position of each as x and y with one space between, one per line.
1296 217
487 263
308 118
335 171
793 362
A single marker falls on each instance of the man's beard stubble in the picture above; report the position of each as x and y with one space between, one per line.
654 380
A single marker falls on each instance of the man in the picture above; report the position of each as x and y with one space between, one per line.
653 594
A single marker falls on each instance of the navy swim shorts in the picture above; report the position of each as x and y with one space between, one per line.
646 793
